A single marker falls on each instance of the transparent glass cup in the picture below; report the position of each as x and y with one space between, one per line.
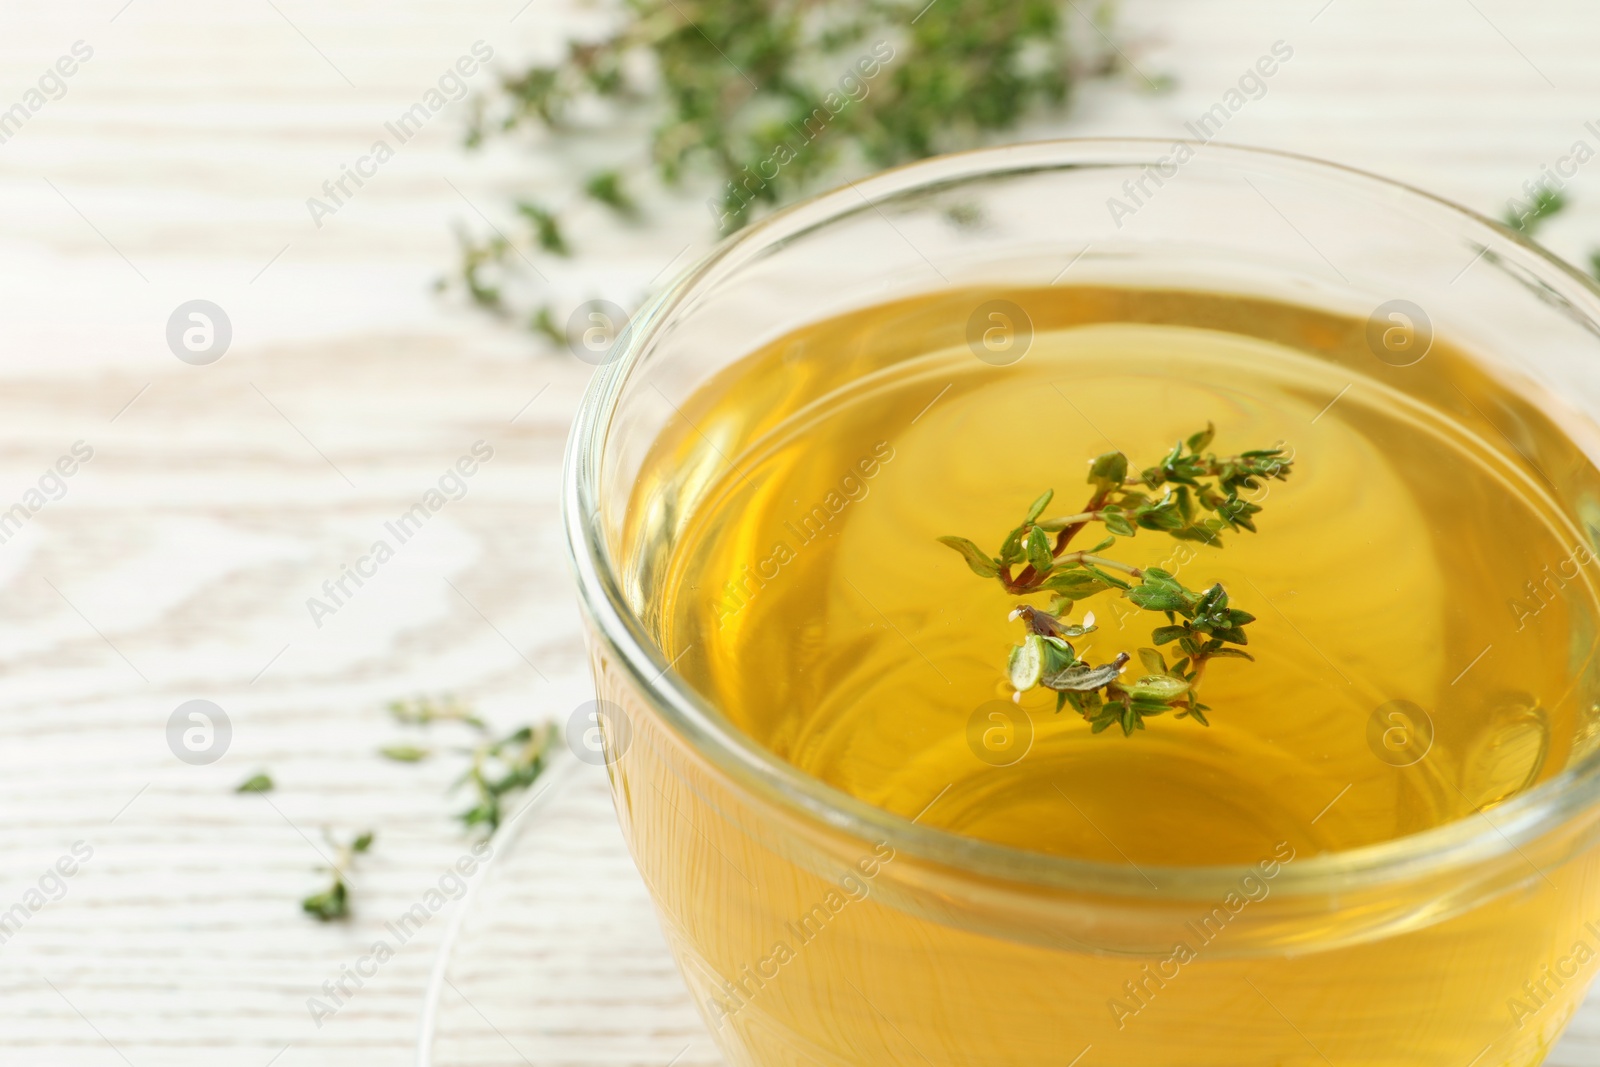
816 929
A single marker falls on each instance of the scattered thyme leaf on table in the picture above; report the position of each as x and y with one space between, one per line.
502 767
1191 495
757 99
334 902
1545 203
1529 216
423 711
260 782
499 766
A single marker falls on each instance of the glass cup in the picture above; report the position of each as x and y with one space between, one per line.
816 929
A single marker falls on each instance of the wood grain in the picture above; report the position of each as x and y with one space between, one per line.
178 563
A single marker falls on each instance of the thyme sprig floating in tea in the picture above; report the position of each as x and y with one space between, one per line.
1191 495
754 100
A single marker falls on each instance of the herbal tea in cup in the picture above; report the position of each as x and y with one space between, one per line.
1164 661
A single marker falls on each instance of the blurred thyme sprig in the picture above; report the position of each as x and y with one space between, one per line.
499 766
1545 204
1189 494
762 97
1526 218
334 902
422 711
502 767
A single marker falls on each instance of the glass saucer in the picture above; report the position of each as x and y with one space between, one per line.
554 956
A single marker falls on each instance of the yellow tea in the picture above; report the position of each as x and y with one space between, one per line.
812 603
1423 649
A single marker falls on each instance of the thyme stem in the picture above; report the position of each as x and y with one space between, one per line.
1100 561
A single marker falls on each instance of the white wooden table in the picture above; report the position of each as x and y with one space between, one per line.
219 498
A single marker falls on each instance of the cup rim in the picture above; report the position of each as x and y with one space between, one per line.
1454 845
